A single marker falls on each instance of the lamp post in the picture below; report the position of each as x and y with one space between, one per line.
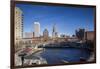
22 57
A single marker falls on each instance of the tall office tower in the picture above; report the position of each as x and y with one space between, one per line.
54 32
36 29
18 26
45 33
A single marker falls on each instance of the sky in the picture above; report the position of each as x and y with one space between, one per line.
66 19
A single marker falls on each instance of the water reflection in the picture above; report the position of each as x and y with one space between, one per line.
56 55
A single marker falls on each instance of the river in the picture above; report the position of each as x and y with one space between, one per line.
58 55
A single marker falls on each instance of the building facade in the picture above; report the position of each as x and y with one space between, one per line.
28 35
45 33
89 35
36 29
54 32
18 26
80 34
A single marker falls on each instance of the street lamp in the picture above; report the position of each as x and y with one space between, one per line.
22 55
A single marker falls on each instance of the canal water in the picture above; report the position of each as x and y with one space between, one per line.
58 55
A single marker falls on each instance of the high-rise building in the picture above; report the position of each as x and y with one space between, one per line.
54 32
45 33
36 29
18 26
80 33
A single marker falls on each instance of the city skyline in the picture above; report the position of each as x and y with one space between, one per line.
67 19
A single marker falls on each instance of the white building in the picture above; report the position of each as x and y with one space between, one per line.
36 29
18 26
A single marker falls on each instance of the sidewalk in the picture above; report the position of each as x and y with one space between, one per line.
29 52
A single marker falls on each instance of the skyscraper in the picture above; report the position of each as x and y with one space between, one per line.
54 32
18 29
36 29
45 33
